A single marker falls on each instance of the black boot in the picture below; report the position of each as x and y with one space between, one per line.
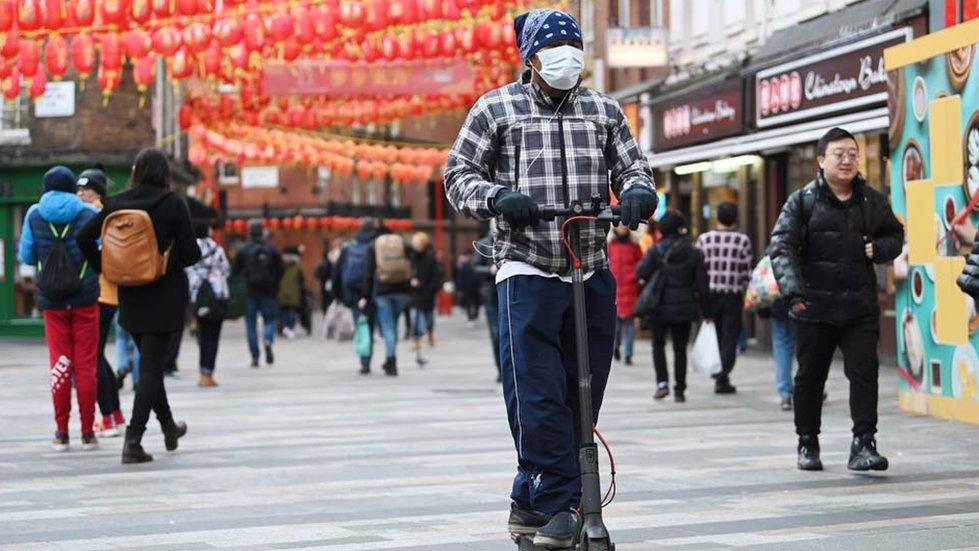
172 432
560 532
390 367
132 450
809 453
864 456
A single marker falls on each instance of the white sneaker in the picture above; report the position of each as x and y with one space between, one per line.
289 333
89 443
110 432
60 443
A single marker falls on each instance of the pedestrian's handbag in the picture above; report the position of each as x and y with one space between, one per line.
208 306
706 355
344 329
362 338
652 293
762 290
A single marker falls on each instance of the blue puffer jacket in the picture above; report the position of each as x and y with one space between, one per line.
59 208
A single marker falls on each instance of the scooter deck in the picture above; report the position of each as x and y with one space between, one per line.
526 543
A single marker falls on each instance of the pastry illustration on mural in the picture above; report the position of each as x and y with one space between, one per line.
914 345
970 157
919 99
965 367
912 163
959 63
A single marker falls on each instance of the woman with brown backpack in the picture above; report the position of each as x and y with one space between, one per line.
147 241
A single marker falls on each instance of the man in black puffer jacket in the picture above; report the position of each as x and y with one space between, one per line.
824 245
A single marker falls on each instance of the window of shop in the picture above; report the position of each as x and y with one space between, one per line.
14 117
25 276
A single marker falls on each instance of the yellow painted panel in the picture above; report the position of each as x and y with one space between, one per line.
943 407
951 312
945 116
931 45
922 227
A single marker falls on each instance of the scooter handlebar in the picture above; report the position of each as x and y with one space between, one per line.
604 214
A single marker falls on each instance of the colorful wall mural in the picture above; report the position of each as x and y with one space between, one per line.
934 172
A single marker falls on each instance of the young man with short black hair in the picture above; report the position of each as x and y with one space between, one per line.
824 247
728 254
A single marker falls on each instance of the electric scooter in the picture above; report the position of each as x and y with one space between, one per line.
593 535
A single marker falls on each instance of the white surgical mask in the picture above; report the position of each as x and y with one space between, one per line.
562 66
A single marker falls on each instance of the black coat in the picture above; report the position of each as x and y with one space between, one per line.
969 280
424 268
686 286
822 262
161 306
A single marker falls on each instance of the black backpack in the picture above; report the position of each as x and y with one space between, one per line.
260 271
652 294
208 306
59 277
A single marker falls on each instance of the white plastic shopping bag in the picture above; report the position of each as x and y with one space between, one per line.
706 355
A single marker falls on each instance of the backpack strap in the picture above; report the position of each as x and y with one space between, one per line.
61 236
669 252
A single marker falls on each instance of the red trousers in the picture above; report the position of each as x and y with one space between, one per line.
73 345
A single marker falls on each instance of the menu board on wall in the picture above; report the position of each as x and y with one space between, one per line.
702 115
835 80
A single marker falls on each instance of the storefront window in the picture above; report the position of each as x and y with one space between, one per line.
25 276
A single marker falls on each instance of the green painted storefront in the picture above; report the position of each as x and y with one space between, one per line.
20 187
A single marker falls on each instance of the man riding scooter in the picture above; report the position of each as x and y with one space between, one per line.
546 141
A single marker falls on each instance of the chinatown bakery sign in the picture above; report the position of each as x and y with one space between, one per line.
701 115
835 80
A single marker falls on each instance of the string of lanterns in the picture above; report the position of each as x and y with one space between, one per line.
312 223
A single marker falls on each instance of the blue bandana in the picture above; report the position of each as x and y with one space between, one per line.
538 28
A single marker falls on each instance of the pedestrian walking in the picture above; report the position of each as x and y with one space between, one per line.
209 294
545 140
153 312
783 348
127 356
468 286
387 281
324 277
729 258
349 277
68 292
261 265
623 258
291 291
426 280
683 299
824 246
486 269
92 188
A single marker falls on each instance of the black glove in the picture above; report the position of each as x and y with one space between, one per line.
517 209
638 205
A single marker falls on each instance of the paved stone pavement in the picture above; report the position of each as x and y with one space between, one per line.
310 455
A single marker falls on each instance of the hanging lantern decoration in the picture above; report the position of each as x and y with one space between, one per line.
305 26
39 82
141 11
83 56
282 27
254 33
179 66
352 13
211 60
29 58
54 13
432 9
166 41
187 7
111 52
297 221
144 74
56 56
185 117
228 32
115 12
11 85
161 8
448 40
376 15
326 222
8 14
109 80
82 12
196 37
136 43
291 49
28 15
324 22
241 224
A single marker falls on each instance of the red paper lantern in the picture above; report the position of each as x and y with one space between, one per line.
82 12
389 48
38 83
407 45
241 224
228 32
28 15
144 73
53 13
179 66
376 15
136 43
115 12
432 9
109 80
111 51
185 117
29 58
5 68
287 223
305 26
326 222
161 8
83 54
196 37
8 14
282 27
351 14
166 41
187 7
212 59
11 84
141 11
448 44
324 23
56 55
254 33
291 49
297 221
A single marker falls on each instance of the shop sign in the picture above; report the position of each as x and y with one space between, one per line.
58 100
260 176
835 80
645 47
700 116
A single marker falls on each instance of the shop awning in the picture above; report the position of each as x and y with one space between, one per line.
874 119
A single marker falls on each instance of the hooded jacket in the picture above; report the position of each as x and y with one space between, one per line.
685 287
424 267
555 151
291 283
160 306
623 258
59 208
821 261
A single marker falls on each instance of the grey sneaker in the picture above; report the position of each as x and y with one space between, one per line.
560 532
523 522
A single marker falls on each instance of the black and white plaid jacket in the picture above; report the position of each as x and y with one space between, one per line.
580 152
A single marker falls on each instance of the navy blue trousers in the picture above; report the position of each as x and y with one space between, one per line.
540 381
